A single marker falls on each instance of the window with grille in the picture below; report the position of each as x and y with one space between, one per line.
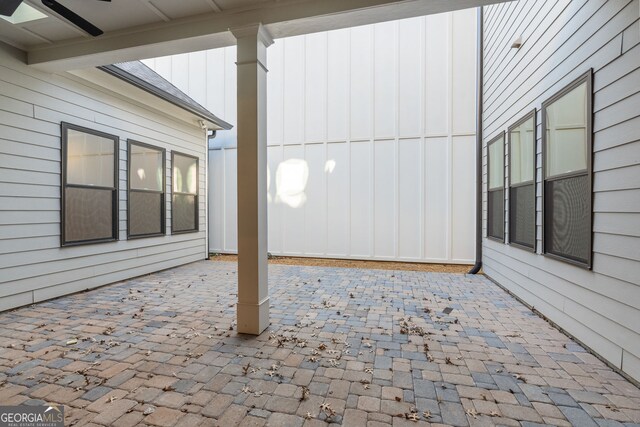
495 188
89 205
184 197
146 182
522 185
567 144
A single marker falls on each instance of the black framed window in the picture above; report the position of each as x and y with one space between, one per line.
146 188
567 147
89 204
184 193
495 188
522 183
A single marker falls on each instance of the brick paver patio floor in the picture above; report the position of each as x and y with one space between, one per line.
350 347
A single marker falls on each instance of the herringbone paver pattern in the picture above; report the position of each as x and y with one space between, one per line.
347 347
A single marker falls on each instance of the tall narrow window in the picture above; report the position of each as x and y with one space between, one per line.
146 206
89 186
495 188
522 185
566 139
184 198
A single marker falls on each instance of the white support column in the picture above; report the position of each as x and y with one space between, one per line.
253 292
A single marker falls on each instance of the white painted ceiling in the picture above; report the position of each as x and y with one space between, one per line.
108 16
138 29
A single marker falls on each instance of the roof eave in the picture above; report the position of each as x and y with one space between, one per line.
139 83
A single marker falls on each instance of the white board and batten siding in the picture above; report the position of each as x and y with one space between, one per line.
562 40
370 140
33 266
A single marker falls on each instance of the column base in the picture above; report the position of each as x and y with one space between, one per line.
253 319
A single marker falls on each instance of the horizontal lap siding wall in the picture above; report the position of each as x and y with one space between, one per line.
561 40
33 266
383 117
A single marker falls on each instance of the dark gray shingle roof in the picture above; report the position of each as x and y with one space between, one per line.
143 77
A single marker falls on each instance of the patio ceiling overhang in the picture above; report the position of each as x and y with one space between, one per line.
138 29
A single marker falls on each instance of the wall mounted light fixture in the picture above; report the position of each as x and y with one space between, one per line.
517 43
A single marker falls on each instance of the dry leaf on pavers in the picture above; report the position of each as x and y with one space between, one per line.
472 412
247 389
612 408
308 416
305 394
150 410
112 399
412 417
245 369
520 377
168 388
368 370
494 414
326 408
72 341
426 414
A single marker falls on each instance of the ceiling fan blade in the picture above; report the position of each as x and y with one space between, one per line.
7 7
73 17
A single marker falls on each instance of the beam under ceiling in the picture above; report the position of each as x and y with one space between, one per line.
284 18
